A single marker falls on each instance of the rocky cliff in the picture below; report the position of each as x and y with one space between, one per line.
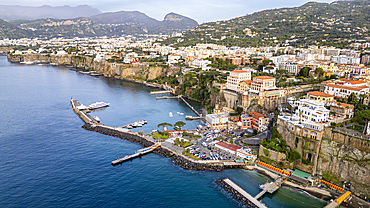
139 71
345 158
340 157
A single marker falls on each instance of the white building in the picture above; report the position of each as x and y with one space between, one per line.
311 110
217 121
344 91
235 77
263 83
292 67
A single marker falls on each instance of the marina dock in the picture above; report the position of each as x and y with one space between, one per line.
160 92
338 201
136 154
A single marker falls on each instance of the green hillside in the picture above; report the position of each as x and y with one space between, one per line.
311 23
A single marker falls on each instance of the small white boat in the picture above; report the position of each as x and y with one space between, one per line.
170 114
98 105
97 118
180 113
138 124
145 122
134 125
129 127
82 107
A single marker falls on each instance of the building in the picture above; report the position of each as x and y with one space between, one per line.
320 96
343 109
263 83
344 91
245 85
217 121
259 121
236 150
311 110
235 77
246 121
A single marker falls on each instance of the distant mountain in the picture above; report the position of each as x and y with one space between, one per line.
171 22
312 23
107 24
31 13
124 17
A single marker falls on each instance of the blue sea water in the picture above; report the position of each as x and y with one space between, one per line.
48 160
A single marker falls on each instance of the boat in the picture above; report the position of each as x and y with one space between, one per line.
138 124
145 122
180 113
98 105
129 127
134 125
188 117
170 114
97 118
82 107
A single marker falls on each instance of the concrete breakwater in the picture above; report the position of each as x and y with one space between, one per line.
237 194
133 137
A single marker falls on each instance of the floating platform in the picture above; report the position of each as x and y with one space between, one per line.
137 154
167 97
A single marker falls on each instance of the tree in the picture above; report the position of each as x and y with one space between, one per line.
164 125
352 98
362 98
178 125
305 71
294 155
239 110
319 72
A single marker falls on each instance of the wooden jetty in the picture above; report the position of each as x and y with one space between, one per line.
159 92
192 118
137 154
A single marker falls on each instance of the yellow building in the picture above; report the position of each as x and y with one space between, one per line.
320 96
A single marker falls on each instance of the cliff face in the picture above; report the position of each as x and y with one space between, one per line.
346 158
340 157
140 71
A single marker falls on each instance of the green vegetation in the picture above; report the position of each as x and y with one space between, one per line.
313 23
178 125
356 128
182 143
294 155
187 153
163 125
331 177
266 152
160 135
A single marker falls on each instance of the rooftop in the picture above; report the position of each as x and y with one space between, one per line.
320 94
263 77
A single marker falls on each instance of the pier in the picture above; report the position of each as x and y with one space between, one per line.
191 107
241 194
160 92
83 115
131 124
270 187
137 154
167 97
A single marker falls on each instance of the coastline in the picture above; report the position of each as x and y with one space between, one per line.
188 164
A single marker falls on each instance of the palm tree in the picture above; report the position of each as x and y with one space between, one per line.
362 98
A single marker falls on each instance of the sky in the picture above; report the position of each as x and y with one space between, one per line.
200 10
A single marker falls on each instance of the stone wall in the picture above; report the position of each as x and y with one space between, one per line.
273 155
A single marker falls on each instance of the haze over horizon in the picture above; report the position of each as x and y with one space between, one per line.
201 11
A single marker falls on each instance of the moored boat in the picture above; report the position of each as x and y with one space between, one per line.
98 105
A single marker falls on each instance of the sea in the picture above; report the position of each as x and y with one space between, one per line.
48 160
